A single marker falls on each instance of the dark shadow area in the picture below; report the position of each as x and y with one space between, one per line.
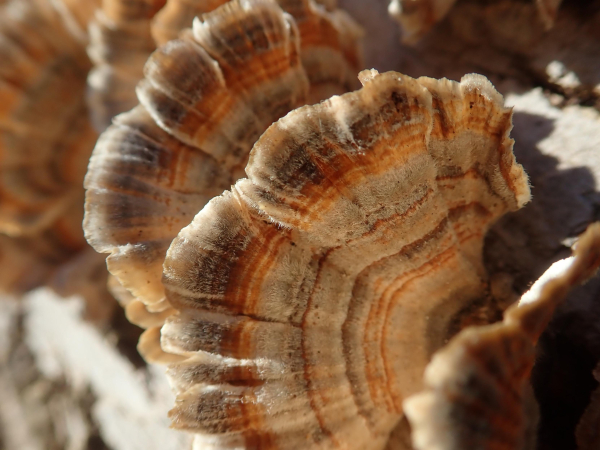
126 336
505 40
524 244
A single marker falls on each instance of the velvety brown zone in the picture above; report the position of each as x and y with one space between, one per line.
163 163
442 125
352 311
304 167
258 71
255 432
218 412
251 53
229 278
196 120
453 215
244 288
393 398
230 339
235 36
378 159
310 392
182 66
318 32
424 269
258 438
190 374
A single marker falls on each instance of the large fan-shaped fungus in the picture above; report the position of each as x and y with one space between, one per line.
312 295
205 100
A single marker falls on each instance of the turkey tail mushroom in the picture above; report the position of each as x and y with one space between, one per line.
311 296
205 100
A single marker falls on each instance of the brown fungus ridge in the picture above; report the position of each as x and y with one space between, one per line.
330 40
307 295
477 392
205 100
120 44
417 17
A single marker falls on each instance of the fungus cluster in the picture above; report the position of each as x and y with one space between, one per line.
305 254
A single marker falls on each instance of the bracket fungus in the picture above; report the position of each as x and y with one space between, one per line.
45 137
125 33
312 295
204 101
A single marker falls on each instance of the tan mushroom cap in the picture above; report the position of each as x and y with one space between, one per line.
205 100
476 387
312 295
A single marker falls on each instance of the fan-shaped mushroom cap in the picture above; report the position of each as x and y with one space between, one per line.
45 138
205 100
475 387
312 295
